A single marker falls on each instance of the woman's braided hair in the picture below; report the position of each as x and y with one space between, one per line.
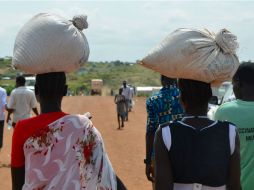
194 93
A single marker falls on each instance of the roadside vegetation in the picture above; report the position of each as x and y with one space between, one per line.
112 74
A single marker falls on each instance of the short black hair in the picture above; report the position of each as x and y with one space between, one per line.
20 80
195 93
167 81
51 85
245 73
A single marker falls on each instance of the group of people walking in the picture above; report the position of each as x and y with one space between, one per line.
185 150
188 146
124 103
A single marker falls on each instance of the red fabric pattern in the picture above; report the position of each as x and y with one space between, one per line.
32 127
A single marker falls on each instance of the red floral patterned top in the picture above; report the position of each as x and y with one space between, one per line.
66 153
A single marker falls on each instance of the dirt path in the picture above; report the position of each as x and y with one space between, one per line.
126 147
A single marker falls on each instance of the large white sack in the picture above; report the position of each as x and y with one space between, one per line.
195 54
50 43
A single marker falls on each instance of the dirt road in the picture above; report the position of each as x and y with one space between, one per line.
126 147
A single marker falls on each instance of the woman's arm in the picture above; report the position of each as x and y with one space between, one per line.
234 168
115 99
163 169
9 112
17 157
18 177
120 185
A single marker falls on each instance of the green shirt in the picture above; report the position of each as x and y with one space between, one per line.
241 113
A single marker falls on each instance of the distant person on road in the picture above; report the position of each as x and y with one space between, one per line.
22 102
241 113
58 150
196 152
127 94
111 92
161 107
120 108
131 103
3 102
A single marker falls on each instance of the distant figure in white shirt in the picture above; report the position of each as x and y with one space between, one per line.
3 103
128 95
131 97
22 101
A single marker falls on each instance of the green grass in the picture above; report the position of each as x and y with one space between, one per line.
112 74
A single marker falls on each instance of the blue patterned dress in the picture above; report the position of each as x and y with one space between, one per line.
162 107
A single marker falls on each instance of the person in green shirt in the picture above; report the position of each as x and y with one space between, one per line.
241 113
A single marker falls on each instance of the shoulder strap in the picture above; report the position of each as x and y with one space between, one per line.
166 124
166 136
232 136
166 133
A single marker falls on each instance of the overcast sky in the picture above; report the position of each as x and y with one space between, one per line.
127 30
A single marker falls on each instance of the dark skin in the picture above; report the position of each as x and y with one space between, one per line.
149 170
164 177
47 105
243 91
125 85
10 111
18 177
120 118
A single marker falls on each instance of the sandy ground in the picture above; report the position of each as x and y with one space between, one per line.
126 147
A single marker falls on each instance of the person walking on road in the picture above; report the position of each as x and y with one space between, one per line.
127 94
161 107
196 152
54 141
22 101
120 108
131 103
3 102
57 150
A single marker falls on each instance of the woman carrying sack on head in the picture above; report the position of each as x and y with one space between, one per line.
56 150
196 153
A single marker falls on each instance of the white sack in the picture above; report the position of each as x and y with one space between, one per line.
50 43
195 54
